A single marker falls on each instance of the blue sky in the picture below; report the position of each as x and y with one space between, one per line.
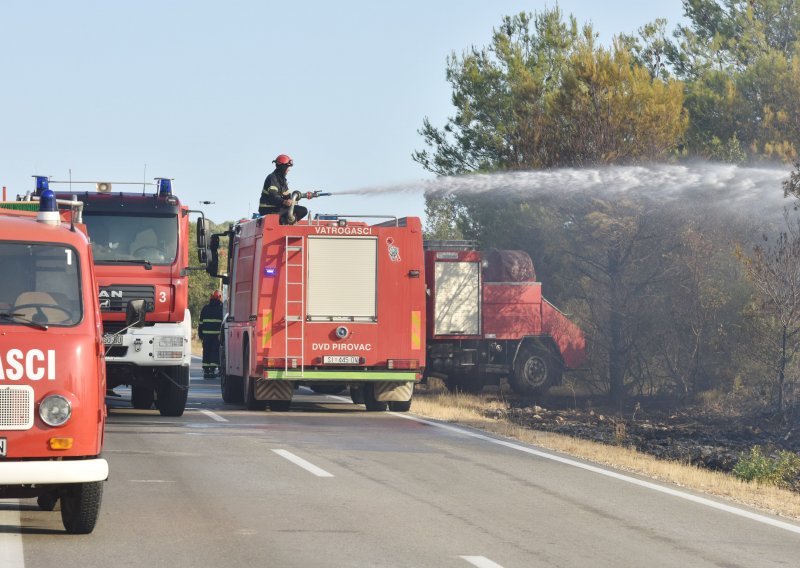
208 93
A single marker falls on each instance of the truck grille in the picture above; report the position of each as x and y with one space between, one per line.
16 407
114 298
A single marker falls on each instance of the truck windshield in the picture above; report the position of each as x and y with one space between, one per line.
120 238
40 284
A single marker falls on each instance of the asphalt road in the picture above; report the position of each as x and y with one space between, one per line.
329 484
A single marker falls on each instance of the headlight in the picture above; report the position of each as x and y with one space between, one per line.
55 410
170 341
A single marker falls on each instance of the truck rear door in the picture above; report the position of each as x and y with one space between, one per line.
457 298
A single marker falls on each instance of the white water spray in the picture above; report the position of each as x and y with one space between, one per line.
742 188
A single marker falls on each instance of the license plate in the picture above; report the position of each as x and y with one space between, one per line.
341 359
110 339
3 447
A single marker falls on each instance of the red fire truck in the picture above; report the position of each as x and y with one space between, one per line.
141 251
327 303
487 319
52 371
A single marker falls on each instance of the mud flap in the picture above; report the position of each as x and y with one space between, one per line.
266 389
393 392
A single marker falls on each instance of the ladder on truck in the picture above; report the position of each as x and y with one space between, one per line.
295 309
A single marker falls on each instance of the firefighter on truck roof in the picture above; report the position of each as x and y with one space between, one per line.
275 195
208 330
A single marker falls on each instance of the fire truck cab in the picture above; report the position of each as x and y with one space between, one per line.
141 251
328 303
52 371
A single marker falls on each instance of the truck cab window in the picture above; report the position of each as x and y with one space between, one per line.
41 283
123 237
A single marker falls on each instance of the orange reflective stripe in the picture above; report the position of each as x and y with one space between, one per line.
416 329
266 329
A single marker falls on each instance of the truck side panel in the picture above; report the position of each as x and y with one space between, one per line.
568 336
512 310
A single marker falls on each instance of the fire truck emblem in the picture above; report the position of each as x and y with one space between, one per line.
394 252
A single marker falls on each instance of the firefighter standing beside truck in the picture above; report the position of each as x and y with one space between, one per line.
275 195
208 331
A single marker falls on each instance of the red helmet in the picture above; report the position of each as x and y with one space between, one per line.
283 161
215 295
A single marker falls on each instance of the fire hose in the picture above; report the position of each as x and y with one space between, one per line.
296 196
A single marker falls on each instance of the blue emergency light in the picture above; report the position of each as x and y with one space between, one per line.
269 271
42 184
48 208
164 186
47 200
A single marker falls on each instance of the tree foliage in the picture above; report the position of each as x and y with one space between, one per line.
774 270
544 94
739 61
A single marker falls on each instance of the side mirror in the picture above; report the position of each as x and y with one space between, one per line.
202 240
212 266
134 313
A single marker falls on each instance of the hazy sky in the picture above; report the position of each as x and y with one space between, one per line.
208 93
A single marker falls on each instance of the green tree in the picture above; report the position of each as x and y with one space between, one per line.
610 109
739 61
774 270
501 95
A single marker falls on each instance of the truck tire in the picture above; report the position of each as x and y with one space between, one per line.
279 405
80 506
47 501
230 385
370 402
357 395
400 405
535 370
250 401
173 392
142 397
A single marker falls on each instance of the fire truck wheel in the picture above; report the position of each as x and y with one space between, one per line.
173 392
142 397
279 405
80 506
534 370
250 401
357 395
230 385
47 501
370 402
400 405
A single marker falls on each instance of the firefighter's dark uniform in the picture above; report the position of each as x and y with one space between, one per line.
208 330
275 191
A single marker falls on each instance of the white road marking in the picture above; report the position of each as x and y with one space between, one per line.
10 543
595 469
481 562
308 466
213 415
